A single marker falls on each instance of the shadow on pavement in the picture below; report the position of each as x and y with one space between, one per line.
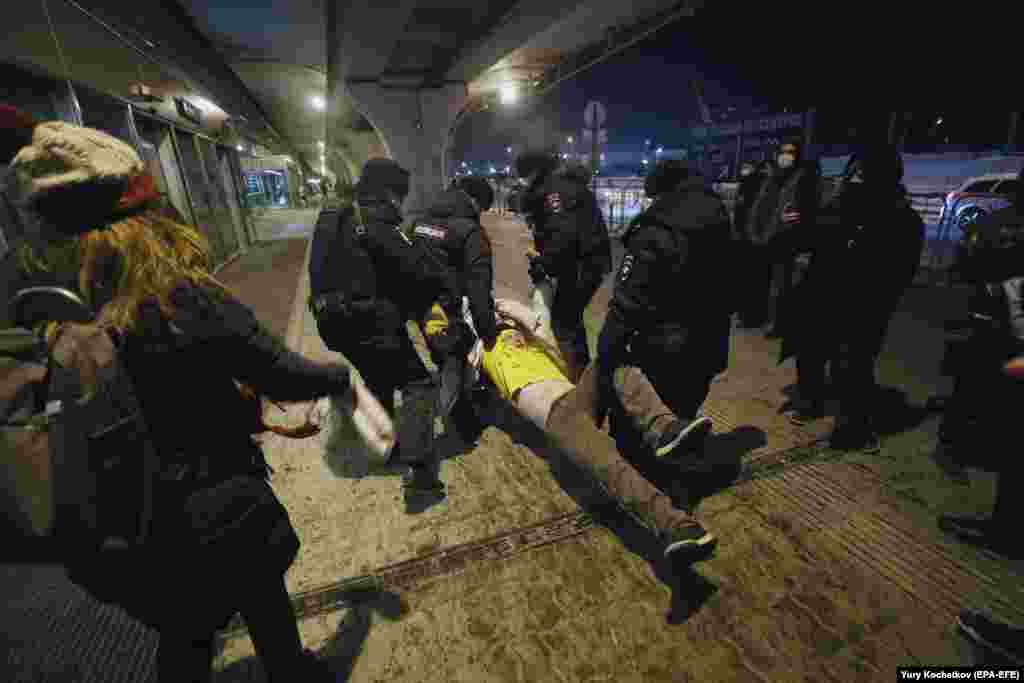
341 651
689 588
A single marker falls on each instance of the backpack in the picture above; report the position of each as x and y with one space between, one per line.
79 459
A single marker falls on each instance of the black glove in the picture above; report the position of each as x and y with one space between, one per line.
458 339
537 272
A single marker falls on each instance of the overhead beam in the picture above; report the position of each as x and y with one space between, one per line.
615 41
364 36
525 20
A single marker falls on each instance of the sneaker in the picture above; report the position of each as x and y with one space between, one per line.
1003 639
421 481
983 533
690 543
681 437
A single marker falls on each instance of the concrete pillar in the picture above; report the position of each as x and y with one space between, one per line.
416 125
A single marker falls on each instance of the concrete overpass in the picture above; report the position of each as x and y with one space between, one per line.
393 78
398 76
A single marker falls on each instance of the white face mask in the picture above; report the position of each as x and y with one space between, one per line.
786 160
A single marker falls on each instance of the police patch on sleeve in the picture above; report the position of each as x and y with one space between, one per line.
626 269
434 232
553 202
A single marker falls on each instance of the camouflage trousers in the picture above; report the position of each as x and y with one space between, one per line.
572 425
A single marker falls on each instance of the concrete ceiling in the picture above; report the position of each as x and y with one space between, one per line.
279 50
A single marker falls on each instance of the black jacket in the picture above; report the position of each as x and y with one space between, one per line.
747 193
569 230
361 251
451 230
798 189
866 251
184 371
675 282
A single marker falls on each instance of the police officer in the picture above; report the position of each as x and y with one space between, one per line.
844 316
572 242
366 280
672 301
451 231
984 411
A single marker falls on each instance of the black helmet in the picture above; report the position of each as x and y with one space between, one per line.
382 174
667 175
479 189
533 160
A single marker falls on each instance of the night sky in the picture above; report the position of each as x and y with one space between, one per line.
771 56
644 88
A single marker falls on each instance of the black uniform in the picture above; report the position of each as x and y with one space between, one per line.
981 416
451 230
574 247
366 280
844 311
672 300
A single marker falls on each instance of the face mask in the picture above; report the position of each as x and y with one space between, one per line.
786 160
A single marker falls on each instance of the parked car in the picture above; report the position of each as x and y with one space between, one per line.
975 198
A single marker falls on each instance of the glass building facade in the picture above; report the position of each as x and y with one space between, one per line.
196 176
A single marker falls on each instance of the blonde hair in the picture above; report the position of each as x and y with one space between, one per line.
139 258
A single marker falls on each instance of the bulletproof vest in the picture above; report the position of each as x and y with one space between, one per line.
339 258
80 460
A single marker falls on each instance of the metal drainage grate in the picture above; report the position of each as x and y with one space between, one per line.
404 575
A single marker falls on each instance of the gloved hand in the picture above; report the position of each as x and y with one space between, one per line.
537 272
458 339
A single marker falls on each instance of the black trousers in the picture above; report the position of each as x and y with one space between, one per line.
852 358
185 649
754 300
681 380
570 301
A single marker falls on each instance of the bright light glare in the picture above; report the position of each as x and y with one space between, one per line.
509 94
565 156
206 105
318 102
240 148
570 141
321 143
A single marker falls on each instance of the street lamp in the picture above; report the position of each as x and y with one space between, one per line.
509 94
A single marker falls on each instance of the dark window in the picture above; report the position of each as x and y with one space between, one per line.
44 98
104 113
981 186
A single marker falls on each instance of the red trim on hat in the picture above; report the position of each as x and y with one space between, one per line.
141 189
11 117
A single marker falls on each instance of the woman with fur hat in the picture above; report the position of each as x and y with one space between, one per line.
187 343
